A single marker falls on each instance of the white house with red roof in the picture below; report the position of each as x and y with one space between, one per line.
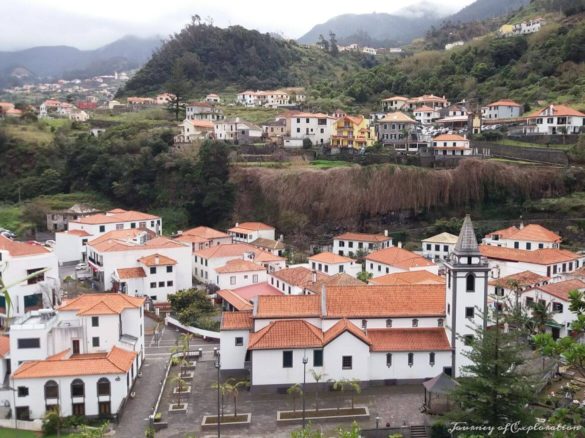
349 244
396 259
295 280
83 358
207 261
248 232
554 120
203 111
330 263
316 127
555 296
451 145
394 103
438 247
501 109
239 273
203 237
530 237
18 261
426 115
402 332
70 245
194 129
139 264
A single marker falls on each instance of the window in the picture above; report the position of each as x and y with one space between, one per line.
346 362
133 225
232 280
287 359
529 301
102 228
557 307
341 243
37 278
95 321
469 312
517 245
161 284
77 388
255 278
528 245
78 409
540 246
437 247
169 269
410 359
470 283
445 248
499 291
169 283
22 391
431 359
24 343
388 360
95 341
415 322
103 387
388 323
317 358
153 285
239 341
440 322
364 324
153 270
350 244
23 413
340 268
51 389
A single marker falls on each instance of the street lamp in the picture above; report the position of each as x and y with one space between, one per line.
13 405
377 422
305 360
217 365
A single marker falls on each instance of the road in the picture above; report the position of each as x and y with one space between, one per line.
137 411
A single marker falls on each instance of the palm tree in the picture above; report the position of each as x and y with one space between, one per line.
355 387
317 376
183 349
223 390
180 383
338 385
294 391
541 314
233 388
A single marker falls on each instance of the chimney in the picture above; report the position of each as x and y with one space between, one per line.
281 238
323 301
156 259
314 276
237 224
385 233
399 244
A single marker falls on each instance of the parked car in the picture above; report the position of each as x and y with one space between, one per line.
7 233
50 243
81 266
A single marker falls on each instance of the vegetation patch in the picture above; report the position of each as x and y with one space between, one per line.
324 413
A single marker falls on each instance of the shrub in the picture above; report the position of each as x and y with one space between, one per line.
440 430
307 143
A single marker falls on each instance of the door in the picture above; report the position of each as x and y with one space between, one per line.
75 346
556 333
104 408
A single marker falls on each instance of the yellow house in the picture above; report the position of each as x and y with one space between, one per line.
506 29
352 132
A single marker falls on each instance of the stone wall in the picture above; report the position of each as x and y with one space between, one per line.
524 153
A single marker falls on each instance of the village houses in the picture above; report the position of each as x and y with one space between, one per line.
555 119
438 247
350 244
315 127
451 145
502 109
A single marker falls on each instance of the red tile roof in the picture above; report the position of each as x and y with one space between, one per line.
101 304
329 257
530 232
385 301
237 250
288 306
239 265
126 273
80 233
237 320
409 339
205 233
524 278
449 137
340 279
117 361
557 110
286 334
157 260
298 276
342 326
547 256
235 300
114 216
124 235
21 249
363 237
504 102
255 290
253 226
397 117
408 277
398 257
561 289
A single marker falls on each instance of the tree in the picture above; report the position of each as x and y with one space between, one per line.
192 307
493 392
307 143
333 49
355 388
178 86
233 389
541 315
339 386
295 391
180 382
317 376
53 422
364 276
223 391
323 43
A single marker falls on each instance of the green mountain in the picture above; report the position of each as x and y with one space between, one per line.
212 58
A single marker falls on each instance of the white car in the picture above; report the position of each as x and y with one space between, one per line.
50 243
81 266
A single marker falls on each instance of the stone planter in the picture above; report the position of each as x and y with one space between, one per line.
175 409
210 421
187 375
323 414
186 390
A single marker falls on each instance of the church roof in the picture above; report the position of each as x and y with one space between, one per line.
467 241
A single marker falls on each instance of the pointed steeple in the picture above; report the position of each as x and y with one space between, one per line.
467 242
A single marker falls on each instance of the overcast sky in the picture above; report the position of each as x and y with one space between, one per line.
90 24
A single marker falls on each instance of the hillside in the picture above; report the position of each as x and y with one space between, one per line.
547 66
484 9
214 59
59 61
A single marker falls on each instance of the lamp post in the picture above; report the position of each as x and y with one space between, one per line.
11 388
217 365
377 422
305 360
